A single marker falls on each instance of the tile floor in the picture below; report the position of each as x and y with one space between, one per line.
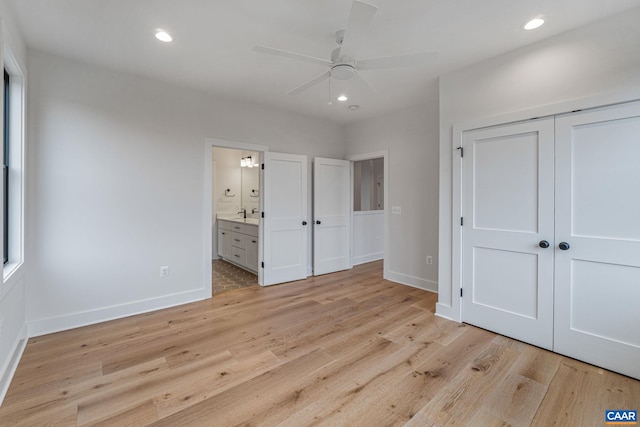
227 276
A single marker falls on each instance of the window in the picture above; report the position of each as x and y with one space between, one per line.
5 169
13 168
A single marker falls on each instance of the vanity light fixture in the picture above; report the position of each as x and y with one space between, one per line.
534 23
248 162
163 36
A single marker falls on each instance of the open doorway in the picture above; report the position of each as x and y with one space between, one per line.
236 207
370 228
232 206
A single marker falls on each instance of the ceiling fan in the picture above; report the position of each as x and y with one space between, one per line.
344 64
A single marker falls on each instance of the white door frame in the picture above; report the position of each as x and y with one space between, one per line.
207 207
369 156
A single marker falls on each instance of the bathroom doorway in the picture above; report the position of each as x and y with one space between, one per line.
233 204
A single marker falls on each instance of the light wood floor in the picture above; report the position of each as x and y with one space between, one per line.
346 349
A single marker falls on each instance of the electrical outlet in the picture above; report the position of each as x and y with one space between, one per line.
397 210
164 271
429 260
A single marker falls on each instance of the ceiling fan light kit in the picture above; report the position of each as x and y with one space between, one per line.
344 64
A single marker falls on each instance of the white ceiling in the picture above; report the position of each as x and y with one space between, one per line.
213 41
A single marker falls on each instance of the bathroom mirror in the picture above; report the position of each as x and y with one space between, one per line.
251 184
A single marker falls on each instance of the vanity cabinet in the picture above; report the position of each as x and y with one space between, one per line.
238 243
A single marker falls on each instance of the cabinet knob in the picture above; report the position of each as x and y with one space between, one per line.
318 222
543 244
304 222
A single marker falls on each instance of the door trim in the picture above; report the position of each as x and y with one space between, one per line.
207 206
368 156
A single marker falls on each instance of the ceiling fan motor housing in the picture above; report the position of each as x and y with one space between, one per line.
343 71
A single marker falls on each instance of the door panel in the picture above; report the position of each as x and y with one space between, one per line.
285 208
598 212
508 196
331 212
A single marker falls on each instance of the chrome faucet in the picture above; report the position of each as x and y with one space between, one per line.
244 213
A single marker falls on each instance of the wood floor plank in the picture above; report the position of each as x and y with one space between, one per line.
343 349
140 415
252 397
516 400
465 395
404 386
214 382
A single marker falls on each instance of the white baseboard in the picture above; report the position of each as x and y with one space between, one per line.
363 259
77 320
415 282
9 369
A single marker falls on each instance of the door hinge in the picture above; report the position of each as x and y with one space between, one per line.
262 214
460 292
461 151
263 166
461 220
262 264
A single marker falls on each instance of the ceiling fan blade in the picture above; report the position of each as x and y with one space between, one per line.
310 83
359 22
292 55
362 86
411 60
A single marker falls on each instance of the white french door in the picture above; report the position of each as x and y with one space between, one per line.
597 318
508 215
285 218
551 234
331 215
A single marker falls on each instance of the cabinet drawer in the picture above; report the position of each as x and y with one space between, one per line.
251 230
238 255
237 227
238 240
225 225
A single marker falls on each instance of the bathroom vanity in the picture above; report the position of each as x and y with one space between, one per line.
238 242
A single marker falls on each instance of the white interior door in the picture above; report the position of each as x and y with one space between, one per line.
598 215
285 218
331 213
508 196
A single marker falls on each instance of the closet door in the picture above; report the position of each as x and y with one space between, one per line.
331 215
597 287
507 235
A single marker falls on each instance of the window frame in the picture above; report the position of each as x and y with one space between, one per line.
5 166
14 210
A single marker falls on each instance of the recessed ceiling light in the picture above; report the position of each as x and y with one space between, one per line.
353 107
163 36
342 98
533 24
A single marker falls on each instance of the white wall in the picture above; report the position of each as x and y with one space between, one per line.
116 185
411 136
12 290
596 63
